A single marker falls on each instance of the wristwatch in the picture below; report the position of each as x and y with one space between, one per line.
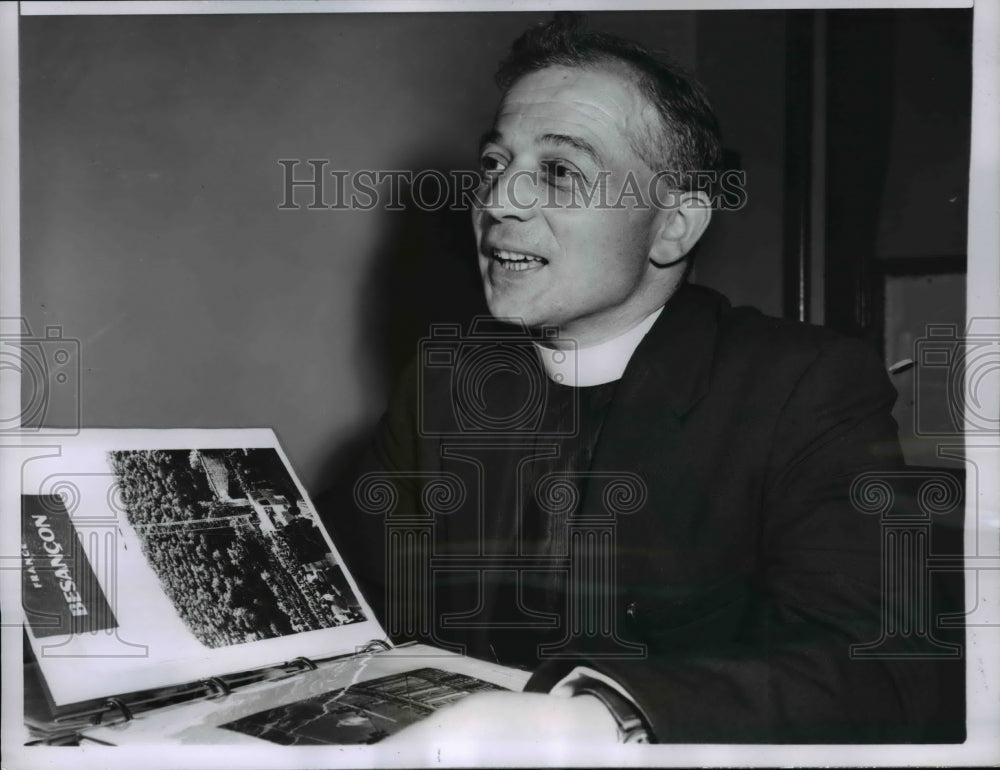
631 727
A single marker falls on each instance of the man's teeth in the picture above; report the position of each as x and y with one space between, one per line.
513 260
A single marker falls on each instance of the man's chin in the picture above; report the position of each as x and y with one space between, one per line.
516 314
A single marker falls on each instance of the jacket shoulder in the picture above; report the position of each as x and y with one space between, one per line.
746 333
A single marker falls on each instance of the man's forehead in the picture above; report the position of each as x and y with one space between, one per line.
601 93
594 103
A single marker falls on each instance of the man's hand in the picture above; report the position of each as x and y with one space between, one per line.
494 724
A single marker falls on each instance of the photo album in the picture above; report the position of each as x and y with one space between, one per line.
179 587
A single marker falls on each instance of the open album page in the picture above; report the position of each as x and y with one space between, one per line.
159 557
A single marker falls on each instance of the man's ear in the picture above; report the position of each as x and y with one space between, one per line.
679 227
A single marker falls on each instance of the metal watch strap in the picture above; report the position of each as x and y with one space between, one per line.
631 727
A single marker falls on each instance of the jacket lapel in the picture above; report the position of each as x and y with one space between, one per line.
642 434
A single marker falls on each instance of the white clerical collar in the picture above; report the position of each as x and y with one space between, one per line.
596 364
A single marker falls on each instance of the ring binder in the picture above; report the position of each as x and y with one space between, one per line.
217 687
306 663
127 706
110 705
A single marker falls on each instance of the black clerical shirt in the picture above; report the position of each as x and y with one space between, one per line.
552 484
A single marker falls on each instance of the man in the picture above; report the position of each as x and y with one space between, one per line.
735 575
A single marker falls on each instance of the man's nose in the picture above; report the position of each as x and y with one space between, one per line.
514 195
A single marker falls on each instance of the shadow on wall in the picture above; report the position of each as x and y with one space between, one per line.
424 272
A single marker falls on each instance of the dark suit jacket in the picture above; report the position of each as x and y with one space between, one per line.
747 574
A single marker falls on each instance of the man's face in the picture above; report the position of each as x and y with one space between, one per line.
588 271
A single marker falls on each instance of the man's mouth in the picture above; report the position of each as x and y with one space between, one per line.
516 261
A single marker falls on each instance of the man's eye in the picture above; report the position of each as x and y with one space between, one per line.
560 170
491 164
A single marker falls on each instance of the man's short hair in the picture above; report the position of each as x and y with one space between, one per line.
689 140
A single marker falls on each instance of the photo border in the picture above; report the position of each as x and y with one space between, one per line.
983 302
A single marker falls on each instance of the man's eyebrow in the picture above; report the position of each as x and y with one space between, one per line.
493 136
489 137
575 142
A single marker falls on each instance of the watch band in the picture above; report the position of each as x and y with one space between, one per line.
631 727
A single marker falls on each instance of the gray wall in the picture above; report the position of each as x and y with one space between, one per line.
150 190
924 202
741 62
